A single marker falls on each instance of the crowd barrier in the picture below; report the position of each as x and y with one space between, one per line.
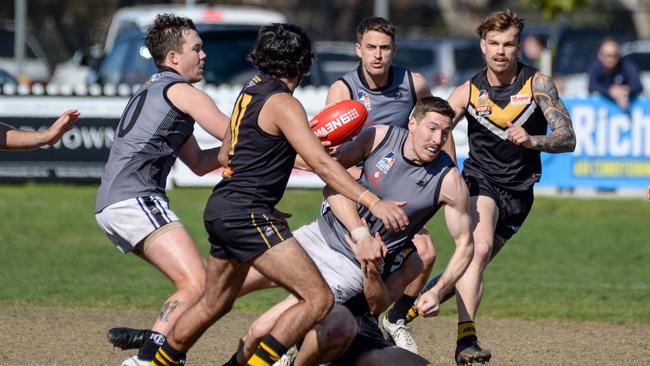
612 152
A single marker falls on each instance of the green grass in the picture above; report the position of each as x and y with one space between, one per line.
579 259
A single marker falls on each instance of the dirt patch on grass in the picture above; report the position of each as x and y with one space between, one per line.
53 336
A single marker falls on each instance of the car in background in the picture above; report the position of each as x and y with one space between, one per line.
227 47
128 19
332 60
228 34
443 62
34 66
7 78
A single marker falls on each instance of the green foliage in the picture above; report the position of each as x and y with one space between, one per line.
580 259
551 8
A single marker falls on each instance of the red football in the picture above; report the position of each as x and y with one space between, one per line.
339 121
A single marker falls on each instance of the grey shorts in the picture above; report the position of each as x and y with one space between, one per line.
342 275
129 222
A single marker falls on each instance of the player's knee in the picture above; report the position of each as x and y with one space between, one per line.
482 250
428 258
426 250
340 332
257 331
322 303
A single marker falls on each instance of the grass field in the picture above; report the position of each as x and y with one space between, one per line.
579 259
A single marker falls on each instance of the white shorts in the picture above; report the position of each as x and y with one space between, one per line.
127 223
342 275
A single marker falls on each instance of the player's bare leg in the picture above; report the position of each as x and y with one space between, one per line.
172 251
280 264
395 323
469 289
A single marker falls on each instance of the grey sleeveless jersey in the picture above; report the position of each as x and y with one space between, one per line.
146 143
390 105
388 174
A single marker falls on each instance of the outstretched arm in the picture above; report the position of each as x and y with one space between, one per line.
562 137
13 139
200 161
454 194
289 118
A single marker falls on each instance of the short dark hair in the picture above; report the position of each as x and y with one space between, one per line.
377 24
282 50
432 104
501 21
165 35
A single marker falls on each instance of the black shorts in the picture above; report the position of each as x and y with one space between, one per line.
513 206
245 236
369 338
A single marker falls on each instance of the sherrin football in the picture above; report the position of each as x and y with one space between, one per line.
339 121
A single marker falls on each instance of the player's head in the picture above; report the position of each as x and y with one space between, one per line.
375 45
499 35
174 42
429 127
283 51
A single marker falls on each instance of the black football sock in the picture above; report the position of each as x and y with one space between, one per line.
150 346
168 356
269 352
466 333
401 308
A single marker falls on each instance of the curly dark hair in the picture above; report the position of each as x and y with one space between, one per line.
377 24
501 21
165 35
282 50
432 104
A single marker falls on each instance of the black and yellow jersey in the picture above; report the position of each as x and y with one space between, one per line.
491 155
259 164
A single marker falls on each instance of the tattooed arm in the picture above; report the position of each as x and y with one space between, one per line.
562 137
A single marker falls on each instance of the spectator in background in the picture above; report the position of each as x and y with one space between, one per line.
614 77
531 49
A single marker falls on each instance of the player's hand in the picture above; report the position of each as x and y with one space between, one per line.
321 136
647 192
368 250
429 303
373 270
62 125
391 214
518 135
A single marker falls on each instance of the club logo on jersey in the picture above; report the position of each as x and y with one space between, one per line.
387 162
484 108
381 168
364 99
520 99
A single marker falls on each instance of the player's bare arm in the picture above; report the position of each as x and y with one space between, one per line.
200 161
562 137
283 114
201 107
458 101
13 139
421 86
338 91
354 151
366 248
454 194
